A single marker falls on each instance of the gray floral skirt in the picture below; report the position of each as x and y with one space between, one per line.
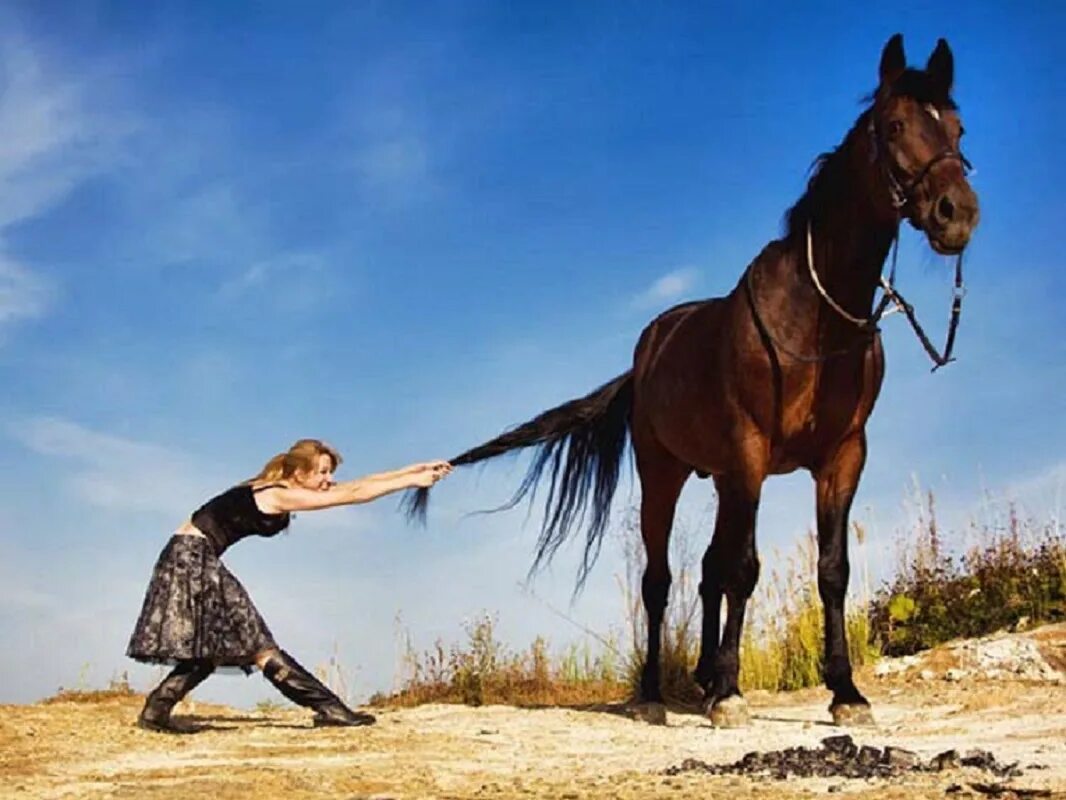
196 609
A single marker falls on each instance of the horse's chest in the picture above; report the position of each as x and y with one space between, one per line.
820 408
799 404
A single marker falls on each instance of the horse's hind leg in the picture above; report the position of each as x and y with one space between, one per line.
661 480
730 568
837 482
711 593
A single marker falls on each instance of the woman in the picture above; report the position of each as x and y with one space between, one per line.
197 615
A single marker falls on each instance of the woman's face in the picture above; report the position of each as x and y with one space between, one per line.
320 477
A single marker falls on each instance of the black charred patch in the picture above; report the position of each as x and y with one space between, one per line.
840 757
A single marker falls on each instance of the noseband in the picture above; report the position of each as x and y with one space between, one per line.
903 193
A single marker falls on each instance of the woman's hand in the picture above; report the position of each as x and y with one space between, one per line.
427 474
361 490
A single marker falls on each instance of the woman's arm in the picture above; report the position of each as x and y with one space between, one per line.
361 490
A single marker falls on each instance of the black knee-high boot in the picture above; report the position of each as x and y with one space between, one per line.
186 676
304 689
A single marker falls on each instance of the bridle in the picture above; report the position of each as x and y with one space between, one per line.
903 193
902 196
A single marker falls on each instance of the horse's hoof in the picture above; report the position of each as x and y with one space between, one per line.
732 712
651 713
852 715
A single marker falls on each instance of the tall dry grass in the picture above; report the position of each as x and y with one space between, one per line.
482 670
1007 568
782 646
1010 568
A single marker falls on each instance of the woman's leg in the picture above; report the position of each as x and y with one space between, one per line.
304 689
186 676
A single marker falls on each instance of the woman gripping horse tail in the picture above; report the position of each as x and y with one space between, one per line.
581 443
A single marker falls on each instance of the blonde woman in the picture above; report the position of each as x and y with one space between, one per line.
197 615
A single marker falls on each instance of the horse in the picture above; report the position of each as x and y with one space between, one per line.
780 374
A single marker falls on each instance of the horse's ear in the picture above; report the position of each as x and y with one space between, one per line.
941 67
893 61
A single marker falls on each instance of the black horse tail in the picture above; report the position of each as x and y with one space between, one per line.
583 441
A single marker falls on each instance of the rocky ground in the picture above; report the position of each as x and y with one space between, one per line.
998 703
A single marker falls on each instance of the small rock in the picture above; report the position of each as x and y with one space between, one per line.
844 745
949 759
927 675
978 758
955 675
868 756
898 757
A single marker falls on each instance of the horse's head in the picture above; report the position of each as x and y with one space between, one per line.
915 130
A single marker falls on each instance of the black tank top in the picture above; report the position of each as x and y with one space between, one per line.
233 515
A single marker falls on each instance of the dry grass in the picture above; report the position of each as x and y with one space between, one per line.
949 585
484 671
118 688
1013 568
782 647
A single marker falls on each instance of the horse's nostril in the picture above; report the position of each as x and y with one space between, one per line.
945 209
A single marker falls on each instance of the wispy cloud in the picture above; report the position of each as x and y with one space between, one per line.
669 288
207 222
23 293
383 137
57 133
393 167
52 137
1042 493
291 281
112 472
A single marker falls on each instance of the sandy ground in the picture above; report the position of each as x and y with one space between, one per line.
93 749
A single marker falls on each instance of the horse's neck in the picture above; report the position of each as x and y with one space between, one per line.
849 241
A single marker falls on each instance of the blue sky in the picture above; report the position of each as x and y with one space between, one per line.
404 227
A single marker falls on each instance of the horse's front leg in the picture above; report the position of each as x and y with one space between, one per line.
730 568
837 481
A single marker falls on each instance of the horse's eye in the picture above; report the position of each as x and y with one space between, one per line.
895 128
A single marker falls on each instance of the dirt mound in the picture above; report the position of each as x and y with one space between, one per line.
1038 656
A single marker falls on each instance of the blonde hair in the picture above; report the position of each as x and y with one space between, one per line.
301 457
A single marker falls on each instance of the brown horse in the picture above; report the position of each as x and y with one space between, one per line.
780 374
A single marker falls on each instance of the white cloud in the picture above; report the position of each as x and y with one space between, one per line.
211 222
1049 482
293 281
58 130
384 139
23 294
394 166
56 134
115 473
669 288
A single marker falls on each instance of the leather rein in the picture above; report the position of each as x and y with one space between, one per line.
902 196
